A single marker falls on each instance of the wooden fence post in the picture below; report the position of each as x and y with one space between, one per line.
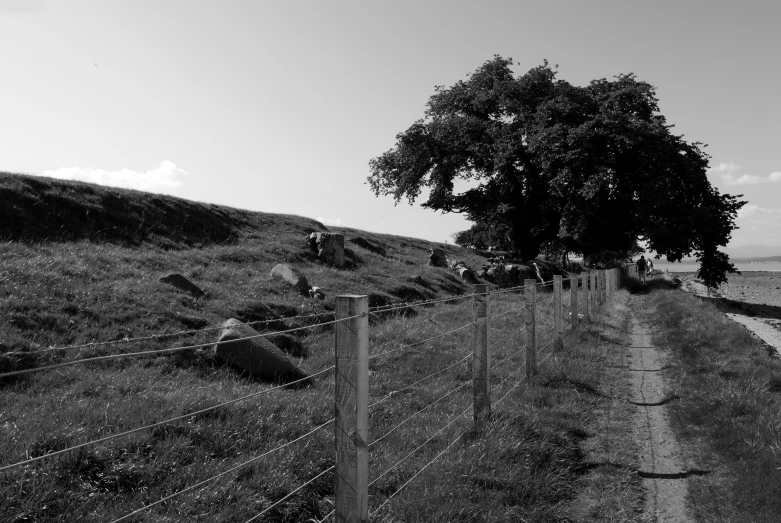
603 286
530 297
558 344
592 275
588 309
351 425
481 354
600 287
574 280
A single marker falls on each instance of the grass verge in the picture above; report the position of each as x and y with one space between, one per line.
729 416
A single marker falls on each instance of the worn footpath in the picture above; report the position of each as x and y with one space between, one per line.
660 459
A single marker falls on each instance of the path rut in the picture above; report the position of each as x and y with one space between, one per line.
661 462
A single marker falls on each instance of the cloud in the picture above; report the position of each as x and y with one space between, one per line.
330 221
759 212
160 179
729 173
728 167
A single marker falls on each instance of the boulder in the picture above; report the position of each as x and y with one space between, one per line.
329 247
467 274
292 276
436 257
180 282
289 345
257 357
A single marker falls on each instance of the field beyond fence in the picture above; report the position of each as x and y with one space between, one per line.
494 341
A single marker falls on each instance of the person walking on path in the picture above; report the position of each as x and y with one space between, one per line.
641 268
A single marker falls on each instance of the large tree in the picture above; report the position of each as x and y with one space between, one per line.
591 169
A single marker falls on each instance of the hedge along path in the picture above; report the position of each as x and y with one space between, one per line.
661 465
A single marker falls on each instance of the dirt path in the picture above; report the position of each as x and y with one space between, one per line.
661 464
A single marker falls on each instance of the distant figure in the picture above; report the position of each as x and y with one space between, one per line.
650 267
641 268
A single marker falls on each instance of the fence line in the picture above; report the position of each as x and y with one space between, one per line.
94 344
352 378
159 423
160 351
440 371
442 335
223 473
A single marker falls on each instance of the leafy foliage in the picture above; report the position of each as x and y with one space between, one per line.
594 169
483 236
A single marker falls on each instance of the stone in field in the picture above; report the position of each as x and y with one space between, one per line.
180 282
467 274
329 247
292 276
256 357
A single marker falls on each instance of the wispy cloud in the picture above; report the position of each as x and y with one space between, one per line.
337 222
730 174
750 210
161 179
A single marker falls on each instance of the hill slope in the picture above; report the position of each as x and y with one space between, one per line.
81 263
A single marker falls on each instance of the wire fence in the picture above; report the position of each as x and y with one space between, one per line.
513 332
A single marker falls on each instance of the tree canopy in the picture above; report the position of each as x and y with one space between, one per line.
591 170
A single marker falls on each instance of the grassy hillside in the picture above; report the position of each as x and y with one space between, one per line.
80 263
86 271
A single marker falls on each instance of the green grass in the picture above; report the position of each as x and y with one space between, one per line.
74 285
729 415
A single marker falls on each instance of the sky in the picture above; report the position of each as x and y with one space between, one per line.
279 106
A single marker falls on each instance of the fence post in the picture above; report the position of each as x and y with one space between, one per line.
603 286
481 354
574 281
592 275
588 309
558 344
530 296
598 287
351 425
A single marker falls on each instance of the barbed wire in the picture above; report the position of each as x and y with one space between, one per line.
508 336
459 416
430 404
406 305
166 351
421 341
223 473
507 312
390 394
289 494
165 335
509 289
159 423
376 309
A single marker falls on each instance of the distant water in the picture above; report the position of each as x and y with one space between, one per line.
694 267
